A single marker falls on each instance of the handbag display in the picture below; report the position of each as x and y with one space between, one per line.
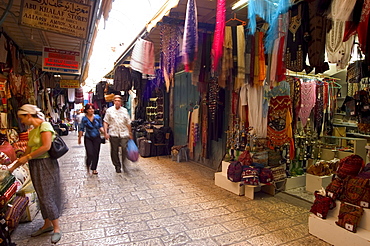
250 176
357 192
322 205
58 148
349 216
278 173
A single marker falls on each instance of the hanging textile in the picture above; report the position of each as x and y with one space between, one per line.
308 98
197 62
122 79
338 52
190 40
316 46
255 111
319 108
79 95
71 94
205 128
193 130
227 59
218 39
362 27
240 76
279 129
341 10
169 49
3 48
142 58
297 39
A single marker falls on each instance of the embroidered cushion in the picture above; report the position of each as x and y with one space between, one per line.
357 192
350 166
322 205
335 188
250 176
349 216
245 158
278 173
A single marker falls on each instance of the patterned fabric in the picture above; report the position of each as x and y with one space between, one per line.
190 40
20 147
278 173
350 166
308 98
266 176
79 95
8 195
357 192
322 205
46 181
335 188
245 158
14 213
250 176
349 216
142 58
117 119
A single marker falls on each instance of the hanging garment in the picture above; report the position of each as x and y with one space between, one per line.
218 39
249 58
122 79
362 27
279 128
17 84
79 95
319 108
169 47
193 130
316 46
338 52
71 94
197 63
255 111
308 99
240 76
297 39
142 58
341 10
227 59
190 40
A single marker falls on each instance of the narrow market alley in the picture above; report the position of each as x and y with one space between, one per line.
163 202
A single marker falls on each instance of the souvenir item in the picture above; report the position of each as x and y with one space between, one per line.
234 171
349 216
322 205
357 192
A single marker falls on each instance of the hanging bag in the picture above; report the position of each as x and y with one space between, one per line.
132 151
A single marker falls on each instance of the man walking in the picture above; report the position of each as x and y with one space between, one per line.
117 128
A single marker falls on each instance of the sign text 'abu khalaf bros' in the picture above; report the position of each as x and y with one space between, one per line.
60 16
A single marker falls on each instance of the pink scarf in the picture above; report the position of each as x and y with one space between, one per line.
308 99
218 39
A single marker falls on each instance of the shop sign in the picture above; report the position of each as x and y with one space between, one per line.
61 61
60 16
66 83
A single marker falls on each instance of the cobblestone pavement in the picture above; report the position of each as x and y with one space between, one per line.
162 202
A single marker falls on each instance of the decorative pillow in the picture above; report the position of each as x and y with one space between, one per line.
8 150
322 205
349 216
14 213
20 147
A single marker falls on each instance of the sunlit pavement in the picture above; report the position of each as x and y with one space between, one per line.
162 202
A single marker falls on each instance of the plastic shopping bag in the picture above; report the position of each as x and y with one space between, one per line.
132 151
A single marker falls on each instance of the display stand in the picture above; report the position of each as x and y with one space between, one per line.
221 180
328 231
238 188
314 182
295 182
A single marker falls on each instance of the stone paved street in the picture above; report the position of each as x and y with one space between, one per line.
162 202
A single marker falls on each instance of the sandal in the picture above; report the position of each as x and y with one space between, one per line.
94 172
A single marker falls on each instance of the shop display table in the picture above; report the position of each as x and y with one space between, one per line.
328 231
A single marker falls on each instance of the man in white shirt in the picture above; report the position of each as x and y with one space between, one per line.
117 128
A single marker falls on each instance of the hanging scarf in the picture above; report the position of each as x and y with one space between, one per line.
190 40
319 108
227 59
240 77
308 98
218 39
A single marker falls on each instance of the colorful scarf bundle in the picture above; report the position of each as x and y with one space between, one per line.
218 39
190 40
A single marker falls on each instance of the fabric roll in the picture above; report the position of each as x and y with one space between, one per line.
190 40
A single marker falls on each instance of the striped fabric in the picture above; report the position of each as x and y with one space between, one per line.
142 59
